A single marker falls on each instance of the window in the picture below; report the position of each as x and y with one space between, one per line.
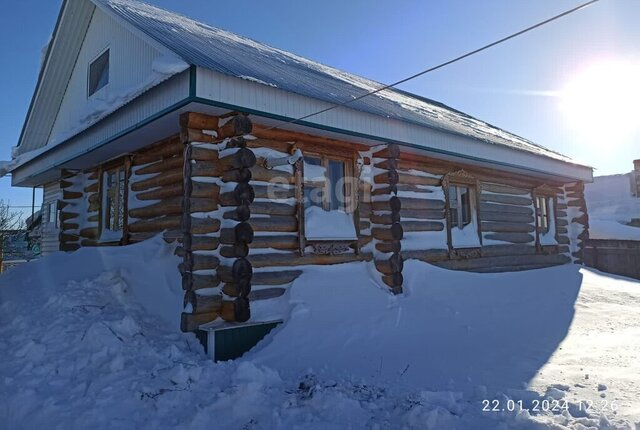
459 206
113 215
543 214
325 183
99 73
328 205
52 213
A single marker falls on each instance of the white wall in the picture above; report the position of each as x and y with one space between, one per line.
50 231
130 65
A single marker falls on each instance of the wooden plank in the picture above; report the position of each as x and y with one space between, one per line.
506 199
507 227
294 259
506 217
511 237
491 207
282 242
504 189
281 223
408 226
273 208
430 204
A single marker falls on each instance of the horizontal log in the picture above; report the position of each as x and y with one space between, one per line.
562 222
206 169
67 226
563 240
390 177
431 214
505 189
576 187
235 250
203 154
162 179
66 237
64 184
275 278
273 208
431 204
236 311
198 120
66 216
241 233
90 233
392 150
408 226
387 218
163 192
242 158
394 204
153 153
194 281
166 165
156 225
273 192
506 217
394 282
387 164
93 207
205 190
204 262
237 290
507 227
237 126
242 194
203 304
577 203
562 230
282 242
283 223
240 213
581 219
392 232
514 262
491 207
93 198
510 237
502 250
239 175
407 178
171 206
393 264
427 255
92 188
203 243
188 135
506 199
390 246
94 218
275 176
204 225
561 206
71 195
266 294
294 259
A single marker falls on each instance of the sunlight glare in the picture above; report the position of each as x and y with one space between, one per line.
602 102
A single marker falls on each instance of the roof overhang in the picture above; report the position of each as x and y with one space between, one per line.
82 151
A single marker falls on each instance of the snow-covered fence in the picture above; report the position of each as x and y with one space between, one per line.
621 257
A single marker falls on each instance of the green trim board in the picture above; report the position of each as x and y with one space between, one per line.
231 342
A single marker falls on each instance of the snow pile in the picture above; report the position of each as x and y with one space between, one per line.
328 225
89 340
611 205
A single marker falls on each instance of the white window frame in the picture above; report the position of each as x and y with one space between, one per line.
98 90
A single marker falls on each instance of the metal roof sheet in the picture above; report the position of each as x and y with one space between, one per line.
208 47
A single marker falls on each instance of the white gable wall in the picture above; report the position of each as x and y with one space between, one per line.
130 66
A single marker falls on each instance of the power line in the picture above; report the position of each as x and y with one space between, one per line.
441 65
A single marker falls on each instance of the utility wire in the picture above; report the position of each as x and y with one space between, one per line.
441 65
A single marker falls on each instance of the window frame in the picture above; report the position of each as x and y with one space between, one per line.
462 178
121 165
107 51
550 197
327 191
348 158
52 209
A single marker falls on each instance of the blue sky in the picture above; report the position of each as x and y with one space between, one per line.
513 86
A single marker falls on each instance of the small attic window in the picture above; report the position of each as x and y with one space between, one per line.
99 73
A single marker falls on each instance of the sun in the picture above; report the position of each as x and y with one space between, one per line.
602 101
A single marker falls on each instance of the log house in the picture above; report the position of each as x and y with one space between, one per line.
210 159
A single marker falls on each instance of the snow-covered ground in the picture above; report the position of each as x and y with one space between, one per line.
611 206
87 340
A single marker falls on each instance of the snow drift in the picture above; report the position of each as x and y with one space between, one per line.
90 340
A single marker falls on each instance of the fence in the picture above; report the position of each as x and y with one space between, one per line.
621 257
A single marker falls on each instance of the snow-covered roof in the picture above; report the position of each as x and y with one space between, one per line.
208 47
